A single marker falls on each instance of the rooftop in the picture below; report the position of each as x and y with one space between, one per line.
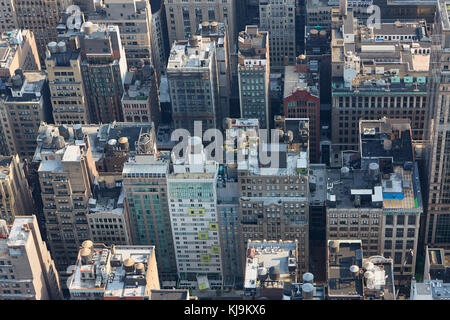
117 272
379 278
28 89
18 233
439 264
108 201
386 138
171 294
430 290
341 256
191 55
307 81
252 44
394 58
64 142
317 184
273 262
242 140
10 42
395 191
63 58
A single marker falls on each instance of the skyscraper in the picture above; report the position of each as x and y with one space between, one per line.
438 133
145 186
28 270
15 195
134 19
63 66
192 198
41 18
192 76
25 103
183 17
278 18
254 75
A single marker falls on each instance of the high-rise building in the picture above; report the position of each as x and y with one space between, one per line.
352 277
429 290
270 269
146 194
438 138
113 273
437 264
140 101
108 217
183 17
228 213
18 51
16 197
319 13
159 38
8 21
103 67
273 199
134 19
302 99
254 75
41 18
192 194
394 85
78 174
218 33
27 269
65 182
194 91
63 67
278 18
378 198
24 104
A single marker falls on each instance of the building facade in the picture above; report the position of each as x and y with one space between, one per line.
192 194
28 271
254 75
183 17
278 18
16 197
376 73
134 19
63 67
438 138
24 104
19 51
146 194
194 91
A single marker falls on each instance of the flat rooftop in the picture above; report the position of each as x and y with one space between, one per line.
19 232
341 282
105 272
317 184
379 284
431 290
98 135
191 55
386 138
269 256
294 81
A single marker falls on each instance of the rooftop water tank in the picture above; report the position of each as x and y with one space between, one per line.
308 291
274 273
308 277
